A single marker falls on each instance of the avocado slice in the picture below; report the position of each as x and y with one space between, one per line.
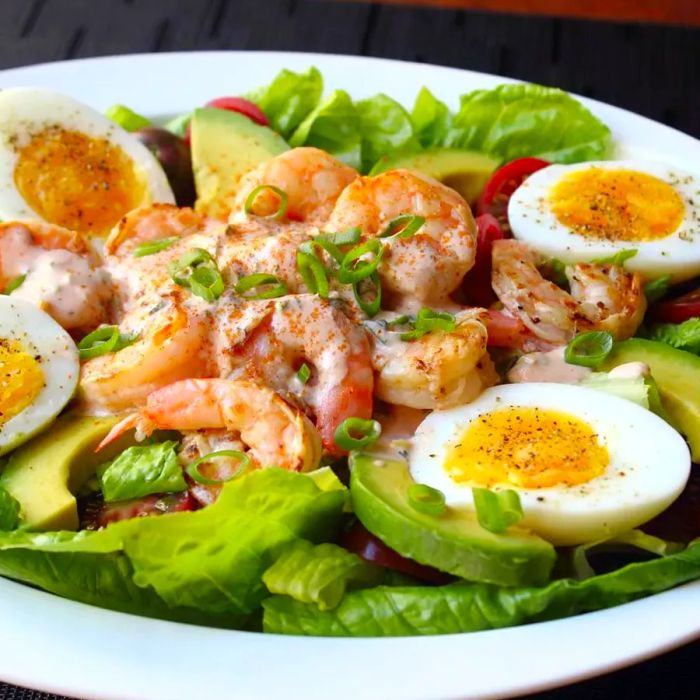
225 146
453 542
44 473
464 171
677 375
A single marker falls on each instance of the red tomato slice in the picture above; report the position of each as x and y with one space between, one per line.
678 310
505 331
235 104
477 282
100 514
363 543
496 195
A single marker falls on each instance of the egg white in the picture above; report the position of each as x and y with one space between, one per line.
40 336
27 111
533 221
649 462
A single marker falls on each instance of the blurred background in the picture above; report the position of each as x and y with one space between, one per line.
640 54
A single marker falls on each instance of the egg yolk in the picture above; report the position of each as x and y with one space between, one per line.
617 205
529 448
21 379
82 183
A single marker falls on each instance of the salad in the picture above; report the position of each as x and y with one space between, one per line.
303 364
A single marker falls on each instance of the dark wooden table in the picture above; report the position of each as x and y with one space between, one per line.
653 70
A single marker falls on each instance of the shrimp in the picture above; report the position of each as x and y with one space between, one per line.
429 265
602 297
58 270
226 414
311 178
305 329
439 370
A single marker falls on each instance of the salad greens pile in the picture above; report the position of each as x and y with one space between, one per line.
507 122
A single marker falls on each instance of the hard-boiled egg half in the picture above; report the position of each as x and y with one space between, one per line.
578 213
67 164
587 466
39 370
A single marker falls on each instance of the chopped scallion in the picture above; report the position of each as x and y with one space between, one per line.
618 258
279 213
357 433
403 226
14 283
368 294
103 341
304 373
589 349
496 511
154 246
262 285
194 473
426 499
313 273
353 268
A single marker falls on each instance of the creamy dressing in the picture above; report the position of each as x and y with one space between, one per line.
547 367
58 281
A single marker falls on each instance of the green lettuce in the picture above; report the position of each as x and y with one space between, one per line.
431 119
385 127
684 336
318 574
334 126
463 607
289 99
512 121
204 566
141 471
9 510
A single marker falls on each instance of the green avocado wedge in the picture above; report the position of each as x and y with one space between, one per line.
677 375
45 472
453 542
225 146
464 171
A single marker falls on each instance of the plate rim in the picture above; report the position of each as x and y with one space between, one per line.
88 615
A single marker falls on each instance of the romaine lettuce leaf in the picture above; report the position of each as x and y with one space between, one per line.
334 126
318 574
684 336
431 119
289 99
464 607
205 565
141 471
512 121
385 127
9 510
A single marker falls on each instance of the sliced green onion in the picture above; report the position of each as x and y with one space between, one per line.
400 321
304 373
126 117
102 341
350 236
325 245
357 433
263 285
281 209
154 246
194 473
313 273
196 270
206 282
426 499
589 349
403 226
14 283
352 269
656 289
372 305
496 511
428 321
618 258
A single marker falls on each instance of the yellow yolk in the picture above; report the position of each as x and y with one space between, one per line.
617 205
526 447
82 183
21 379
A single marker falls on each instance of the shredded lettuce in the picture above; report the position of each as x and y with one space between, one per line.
633 389
684 336
319 574
512 121
9 511
203 566
141 471
464 607
289 99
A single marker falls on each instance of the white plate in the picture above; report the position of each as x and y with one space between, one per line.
74 649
